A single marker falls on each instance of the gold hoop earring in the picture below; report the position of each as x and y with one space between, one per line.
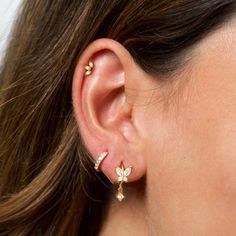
123 174
99 161
89 68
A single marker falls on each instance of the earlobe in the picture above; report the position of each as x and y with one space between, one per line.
102 109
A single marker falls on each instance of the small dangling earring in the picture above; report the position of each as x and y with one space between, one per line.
122 177
99 161
89 68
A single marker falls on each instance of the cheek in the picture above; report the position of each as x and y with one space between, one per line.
192 152
209 126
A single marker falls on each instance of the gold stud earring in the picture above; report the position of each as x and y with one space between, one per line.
99 161
123 174
89 68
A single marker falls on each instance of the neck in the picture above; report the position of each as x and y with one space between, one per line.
127 217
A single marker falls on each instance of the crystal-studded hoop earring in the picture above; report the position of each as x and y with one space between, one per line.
89 68
99 161
123 174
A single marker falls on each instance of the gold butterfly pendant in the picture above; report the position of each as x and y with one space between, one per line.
123 173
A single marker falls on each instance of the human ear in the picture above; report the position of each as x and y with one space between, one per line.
103 107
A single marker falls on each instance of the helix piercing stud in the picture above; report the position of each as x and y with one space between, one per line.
88 68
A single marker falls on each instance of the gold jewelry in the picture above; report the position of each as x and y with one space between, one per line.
122 177
89 68
99 160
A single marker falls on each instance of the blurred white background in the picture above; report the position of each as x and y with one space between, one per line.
8 9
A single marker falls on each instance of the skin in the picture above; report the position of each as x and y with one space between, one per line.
178 136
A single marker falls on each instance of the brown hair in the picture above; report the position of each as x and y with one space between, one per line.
47 182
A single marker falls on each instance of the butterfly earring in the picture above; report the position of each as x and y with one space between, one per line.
123 174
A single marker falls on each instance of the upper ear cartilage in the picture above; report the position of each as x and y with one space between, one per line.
88 68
